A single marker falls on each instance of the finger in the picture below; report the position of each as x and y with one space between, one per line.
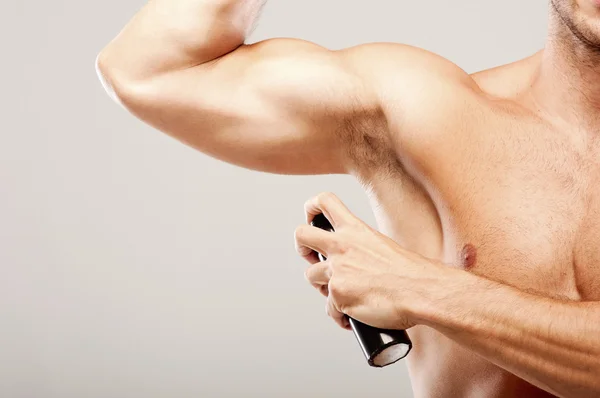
318 274
337 316
324 290
311 239
312 257
331 206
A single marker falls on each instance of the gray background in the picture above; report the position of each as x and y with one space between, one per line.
132 266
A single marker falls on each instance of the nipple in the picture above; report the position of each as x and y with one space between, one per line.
468 256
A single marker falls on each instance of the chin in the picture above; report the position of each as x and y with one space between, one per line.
588 31
582 17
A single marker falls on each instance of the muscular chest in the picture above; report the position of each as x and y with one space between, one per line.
525 212
530 207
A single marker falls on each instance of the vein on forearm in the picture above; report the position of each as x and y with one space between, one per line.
549 342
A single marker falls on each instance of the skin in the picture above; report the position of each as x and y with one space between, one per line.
484 185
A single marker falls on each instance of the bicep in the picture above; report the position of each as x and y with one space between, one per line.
277 106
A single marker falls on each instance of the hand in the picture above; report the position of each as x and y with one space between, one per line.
367 276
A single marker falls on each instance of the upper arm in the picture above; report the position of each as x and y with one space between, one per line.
278 106
283 105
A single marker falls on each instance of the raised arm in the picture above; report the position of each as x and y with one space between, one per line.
282 105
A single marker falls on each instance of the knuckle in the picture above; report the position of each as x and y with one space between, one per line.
326 197
343 247
339 288
332 266
300 233
307 205
307 274
338 244
335 242
330 307
334 287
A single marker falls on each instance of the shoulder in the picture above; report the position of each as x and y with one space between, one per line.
423 97
413 84
434 113
427 105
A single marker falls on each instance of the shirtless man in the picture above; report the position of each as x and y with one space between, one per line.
486 184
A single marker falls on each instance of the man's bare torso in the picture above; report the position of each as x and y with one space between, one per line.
504 184
490 172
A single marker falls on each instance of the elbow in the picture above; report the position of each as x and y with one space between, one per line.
118 87
103 70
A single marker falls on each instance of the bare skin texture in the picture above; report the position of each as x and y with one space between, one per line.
485 186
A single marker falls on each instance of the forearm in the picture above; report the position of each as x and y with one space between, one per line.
554 345
168 35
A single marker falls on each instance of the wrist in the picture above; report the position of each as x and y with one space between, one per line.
440 298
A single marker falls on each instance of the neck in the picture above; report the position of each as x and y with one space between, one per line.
567 83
